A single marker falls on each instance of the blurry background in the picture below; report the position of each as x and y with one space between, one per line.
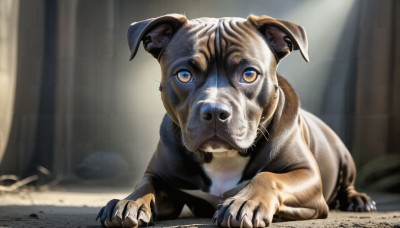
73 108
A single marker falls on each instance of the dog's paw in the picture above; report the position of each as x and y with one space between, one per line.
360 202
127 213
238 212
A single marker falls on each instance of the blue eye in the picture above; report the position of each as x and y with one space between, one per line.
184 76
249 75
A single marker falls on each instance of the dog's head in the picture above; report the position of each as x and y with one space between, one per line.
219 82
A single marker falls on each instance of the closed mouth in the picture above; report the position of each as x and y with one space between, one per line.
215 145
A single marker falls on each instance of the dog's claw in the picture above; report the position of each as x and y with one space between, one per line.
360 202
127 213
142 218
243 213
373 204
110 206
100 213
107 212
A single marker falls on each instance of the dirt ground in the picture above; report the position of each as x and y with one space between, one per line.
78 206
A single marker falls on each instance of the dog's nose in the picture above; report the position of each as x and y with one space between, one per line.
215 112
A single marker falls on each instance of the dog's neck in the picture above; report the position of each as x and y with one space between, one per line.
225 170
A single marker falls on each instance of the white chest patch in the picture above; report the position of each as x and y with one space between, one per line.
225 170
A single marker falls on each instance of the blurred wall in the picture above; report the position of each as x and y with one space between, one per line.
83 110
8 50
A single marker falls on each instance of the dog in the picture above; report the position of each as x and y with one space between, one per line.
234 144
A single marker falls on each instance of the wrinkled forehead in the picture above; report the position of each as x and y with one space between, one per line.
216 39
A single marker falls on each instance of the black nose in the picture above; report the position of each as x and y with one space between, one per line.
215 113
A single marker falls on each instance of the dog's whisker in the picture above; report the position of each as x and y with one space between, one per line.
266 131
260 130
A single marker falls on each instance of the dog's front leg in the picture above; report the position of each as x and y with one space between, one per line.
296 195
138 209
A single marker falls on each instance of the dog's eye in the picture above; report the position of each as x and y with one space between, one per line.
184 76
249 76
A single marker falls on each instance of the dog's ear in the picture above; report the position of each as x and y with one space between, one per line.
155 33
282 36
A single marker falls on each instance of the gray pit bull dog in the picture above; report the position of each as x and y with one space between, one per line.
235 144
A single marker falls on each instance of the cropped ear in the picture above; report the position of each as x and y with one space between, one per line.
282 36
155 33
